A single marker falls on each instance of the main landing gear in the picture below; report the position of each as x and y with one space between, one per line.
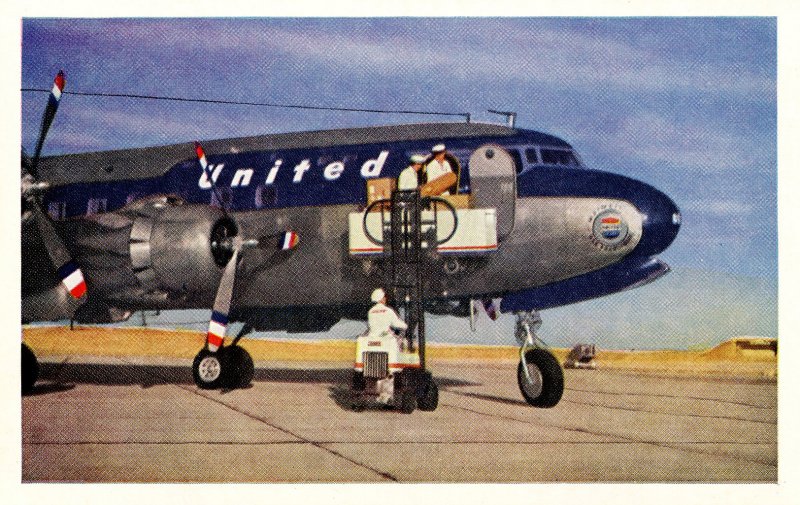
539 375
30 369
230 367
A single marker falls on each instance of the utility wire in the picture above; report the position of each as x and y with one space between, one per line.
464 115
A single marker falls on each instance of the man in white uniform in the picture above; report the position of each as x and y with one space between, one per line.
439 165
381 318
409 177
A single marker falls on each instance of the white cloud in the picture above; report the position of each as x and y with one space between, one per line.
710 146
720 207
729 208
563 59
553 56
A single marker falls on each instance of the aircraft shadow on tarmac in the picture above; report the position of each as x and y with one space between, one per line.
57 377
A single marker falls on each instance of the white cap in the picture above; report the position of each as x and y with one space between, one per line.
417 158
438 148
378 295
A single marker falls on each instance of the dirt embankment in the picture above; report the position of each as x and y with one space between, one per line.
746 356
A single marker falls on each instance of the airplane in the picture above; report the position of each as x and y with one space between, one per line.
259 229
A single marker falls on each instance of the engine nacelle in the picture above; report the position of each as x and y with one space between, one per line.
176 249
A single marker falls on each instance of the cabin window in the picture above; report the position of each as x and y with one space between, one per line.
559 157
96 206
132 197
265 197
531 156
57 210
225 194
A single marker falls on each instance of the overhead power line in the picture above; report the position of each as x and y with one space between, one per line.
464 115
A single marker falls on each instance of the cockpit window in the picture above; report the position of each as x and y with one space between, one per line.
531 155
559 157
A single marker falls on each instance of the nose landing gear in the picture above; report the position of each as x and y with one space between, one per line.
539 375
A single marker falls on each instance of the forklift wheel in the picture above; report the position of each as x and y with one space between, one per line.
359 383
408 401
429 399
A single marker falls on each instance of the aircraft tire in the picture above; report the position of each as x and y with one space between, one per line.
30 369
208 369
548 385
429 399
238 368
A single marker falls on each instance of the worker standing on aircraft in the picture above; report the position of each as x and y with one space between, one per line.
438 166
381 318
410 177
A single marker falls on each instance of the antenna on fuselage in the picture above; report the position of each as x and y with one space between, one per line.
511 117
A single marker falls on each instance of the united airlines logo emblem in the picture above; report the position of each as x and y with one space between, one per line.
609 230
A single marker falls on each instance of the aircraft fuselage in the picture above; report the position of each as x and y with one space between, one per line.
573 233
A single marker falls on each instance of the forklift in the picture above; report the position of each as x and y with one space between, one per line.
392 371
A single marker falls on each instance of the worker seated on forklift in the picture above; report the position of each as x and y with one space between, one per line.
381 318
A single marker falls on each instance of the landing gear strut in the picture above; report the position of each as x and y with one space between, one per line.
539 375
230 367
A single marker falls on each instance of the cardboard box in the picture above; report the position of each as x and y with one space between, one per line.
459 201
438 185
380 189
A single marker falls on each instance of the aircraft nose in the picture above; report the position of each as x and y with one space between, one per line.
661 220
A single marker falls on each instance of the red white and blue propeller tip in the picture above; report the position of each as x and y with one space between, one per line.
201 155
58 85
72 277
47 118
288 240
216 330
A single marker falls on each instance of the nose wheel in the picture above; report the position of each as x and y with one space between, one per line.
539 375
540 378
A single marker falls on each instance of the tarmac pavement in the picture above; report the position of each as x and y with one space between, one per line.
144 420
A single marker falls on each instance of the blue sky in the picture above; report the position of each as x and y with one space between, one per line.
686 104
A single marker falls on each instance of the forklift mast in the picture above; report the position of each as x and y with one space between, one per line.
404 249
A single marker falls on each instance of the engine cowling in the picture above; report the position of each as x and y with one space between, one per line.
179 249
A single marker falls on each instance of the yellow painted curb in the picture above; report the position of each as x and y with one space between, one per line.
740 356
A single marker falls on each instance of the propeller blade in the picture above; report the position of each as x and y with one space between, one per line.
68 271
47 118
222 304
288 240
201 158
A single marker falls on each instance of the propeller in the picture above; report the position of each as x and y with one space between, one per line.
47 119
235 246
68 271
